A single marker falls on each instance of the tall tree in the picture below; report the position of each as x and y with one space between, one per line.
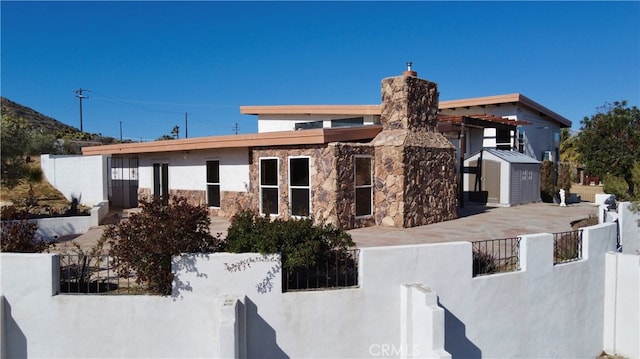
609 142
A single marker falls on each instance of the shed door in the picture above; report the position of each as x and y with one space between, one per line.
491 180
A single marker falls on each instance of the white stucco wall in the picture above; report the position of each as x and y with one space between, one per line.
189 171
538 134
543 310
272 123
622 305
629 220
82 177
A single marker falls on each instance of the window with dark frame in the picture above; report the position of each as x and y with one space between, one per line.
503 139
269 186
213 183
299 186
363 186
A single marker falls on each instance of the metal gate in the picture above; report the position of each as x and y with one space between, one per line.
123 181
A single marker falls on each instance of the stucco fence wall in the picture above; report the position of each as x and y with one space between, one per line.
81 177
54 227
412 301
628 220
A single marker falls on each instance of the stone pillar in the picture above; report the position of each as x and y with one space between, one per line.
415 176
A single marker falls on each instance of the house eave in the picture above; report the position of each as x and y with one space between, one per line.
281 138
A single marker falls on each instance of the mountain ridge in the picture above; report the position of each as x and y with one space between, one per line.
36 121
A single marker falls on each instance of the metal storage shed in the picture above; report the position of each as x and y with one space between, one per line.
507 178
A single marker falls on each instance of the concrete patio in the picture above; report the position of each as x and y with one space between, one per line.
474 223
477 223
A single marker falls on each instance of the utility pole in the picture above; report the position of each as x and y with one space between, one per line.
235 128
186 129
120 131
80 96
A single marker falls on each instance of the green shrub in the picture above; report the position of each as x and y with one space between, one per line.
564 178
21 236
145 243
548 187
299 242
618 186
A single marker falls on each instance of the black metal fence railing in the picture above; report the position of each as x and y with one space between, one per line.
567 246
83 274
339 270
496 255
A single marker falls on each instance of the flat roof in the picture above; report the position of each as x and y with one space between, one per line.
311 110
376 109
280 138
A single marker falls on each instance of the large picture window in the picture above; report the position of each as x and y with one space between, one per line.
213 183
299 186
269 186
364 187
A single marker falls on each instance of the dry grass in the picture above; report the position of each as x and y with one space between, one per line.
43 191
586 193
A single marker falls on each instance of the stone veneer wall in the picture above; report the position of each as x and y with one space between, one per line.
230 202
331 183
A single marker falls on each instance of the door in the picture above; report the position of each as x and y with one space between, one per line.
491 180
123 181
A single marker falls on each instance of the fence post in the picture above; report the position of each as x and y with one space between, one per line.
536 252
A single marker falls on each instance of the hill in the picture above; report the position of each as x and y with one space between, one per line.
35 120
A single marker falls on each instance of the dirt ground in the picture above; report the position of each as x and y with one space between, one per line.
586 193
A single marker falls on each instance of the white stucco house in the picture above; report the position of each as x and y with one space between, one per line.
283 168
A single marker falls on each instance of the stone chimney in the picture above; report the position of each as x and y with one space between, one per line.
409 103
415 175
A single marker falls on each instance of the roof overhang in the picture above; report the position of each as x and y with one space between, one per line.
356 110
505 99
362 110
281 138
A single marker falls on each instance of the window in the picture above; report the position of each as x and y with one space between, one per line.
364 187
213 183
161 180
503 139
299 186
269 186
308 125
347 122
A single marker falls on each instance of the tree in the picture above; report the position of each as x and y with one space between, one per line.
609 142
176 132
13 147
145 243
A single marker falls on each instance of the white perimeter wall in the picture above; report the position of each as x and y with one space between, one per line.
541 311
622 305
629 229
82 177
189 171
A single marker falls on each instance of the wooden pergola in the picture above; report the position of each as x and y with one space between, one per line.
458 124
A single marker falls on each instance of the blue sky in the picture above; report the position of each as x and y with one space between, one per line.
147 63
